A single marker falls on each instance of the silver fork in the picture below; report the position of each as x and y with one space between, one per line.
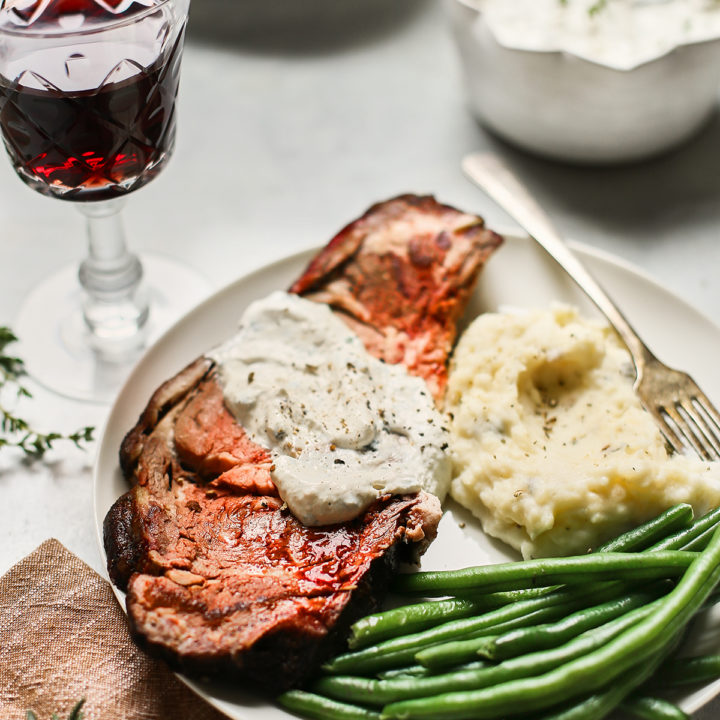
686 417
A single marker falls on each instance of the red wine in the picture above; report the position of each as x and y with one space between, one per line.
41 12
92 144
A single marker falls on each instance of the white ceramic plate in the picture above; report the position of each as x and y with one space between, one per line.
519 274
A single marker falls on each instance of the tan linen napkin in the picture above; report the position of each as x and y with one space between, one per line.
63 637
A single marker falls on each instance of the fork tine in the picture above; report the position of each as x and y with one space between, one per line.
709 410
669 431
708 419
683 433
696 430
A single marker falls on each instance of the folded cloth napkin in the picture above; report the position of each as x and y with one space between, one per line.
63 637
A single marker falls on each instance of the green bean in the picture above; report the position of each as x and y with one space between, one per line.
677 540
419 616
528 639
421 671
410 618
678 517
690 670
321 708
585 674
413 618
400 651
457 652
406 671
470 676
550 571
594 707
699 543
445 655
652 708
598 705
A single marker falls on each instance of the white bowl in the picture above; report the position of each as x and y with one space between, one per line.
558 105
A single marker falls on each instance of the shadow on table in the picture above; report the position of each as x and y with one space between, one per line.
299 26
635 197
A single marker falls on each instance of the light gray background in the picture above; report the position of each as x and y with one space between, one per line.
294 117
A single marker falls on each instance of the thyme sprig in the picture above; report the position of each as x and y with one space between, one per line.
75 714
16 431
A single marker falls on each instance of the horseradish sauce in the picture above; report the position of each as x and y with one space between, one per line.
343 427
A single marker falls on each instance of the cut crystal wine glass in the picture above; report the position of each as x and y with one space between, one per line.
87 112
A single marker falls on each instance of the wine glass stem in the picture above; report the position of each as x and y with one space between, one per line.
115 308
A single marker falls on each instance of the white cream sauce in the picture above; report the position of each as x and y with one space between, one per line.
621 34
343 427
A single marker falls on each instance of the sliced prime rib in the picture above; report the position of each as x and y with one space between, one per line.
221 579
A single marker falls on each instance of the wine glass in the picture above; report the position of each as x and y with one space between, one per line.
87 113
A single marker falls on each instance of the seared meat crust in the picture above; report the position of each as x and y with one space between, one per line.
220 577
401 276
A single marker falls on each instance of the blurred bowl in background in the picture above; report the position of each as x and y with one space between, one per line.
561 106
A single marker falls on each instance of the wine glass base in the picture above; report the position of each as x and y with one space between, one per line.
55 342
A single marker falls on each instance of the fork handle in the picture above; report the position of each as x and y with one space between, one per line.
495 178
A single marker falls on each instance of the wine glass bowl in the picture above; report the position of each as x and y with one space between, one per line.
88 93
89 113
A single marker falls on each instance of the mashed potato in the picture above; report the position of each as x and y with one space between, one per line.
551 447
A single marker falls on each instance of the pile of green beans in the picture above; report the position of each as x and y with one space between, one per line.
557 639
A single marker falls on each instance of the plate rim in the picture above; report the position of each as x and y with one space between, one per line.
303 256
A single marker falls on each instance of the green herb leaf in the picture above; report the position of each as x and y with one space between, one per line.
18 432
75 714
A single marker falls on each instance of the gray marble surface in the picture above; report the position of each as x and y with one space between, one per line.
286 131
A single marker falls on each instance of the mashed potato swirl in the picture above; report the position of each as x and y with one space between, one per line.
551 447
